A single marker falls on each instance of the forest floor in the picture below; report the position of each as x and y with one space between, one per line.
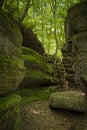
38 115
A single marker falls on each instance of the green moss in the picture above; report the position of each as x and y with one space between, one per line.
10 64
32 61
38 75
9 101
9 109
10 28
17 122
29 51
36 59
69 100
12 71
30 95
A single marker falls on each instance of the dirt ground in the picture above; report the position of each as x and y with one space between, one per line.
39 116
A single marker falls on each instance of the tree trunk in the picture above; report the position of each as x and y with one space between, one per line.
54 9
25 11
1 3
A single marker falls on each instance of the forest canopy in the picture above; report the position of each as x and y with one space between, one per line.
44 17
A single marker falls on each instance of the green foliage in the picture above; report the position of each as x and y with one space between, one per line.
14 7
40 19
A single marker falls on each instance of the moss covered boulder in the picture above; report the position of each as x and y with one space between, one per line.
69 100
11 61
10 117
38 71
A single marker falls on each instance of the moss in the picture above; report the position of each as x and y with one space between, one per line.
29 51
12 71
30 56
9 100
11 64
38 75
33 62
30 95
9 28
69 100
16 123
9 109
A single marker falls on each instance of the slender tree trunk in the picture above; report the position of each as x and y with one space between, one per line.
56 41
42 11
42 28
1 3
54 9
25 11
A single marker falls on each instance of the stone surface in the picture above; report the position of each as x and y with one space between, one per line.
30 40
76 42
79 52
11 61
38 71
75 22
69 100
77 16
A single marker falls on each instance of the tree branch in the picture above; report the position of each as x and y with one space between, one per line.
25 11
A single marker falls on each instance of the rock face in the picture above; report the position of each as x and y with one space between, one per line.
30 40
10 112
76 20
11 62
76 41
38 71
69 100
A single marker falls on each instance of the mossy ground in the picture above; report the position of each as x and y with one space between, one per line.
37 115
9 112
30 95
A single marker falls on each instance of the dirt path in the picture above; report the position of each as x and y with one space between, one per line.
39 116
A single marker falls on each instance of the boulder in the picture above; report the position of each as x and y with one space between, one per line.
10 118
69 100
30 40
11 62
38 71
77 16
80 55
79 42
75 22
76 41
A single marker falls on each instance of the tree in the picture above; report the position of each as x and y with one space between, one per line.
54 12
1 3
25 11
44 17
